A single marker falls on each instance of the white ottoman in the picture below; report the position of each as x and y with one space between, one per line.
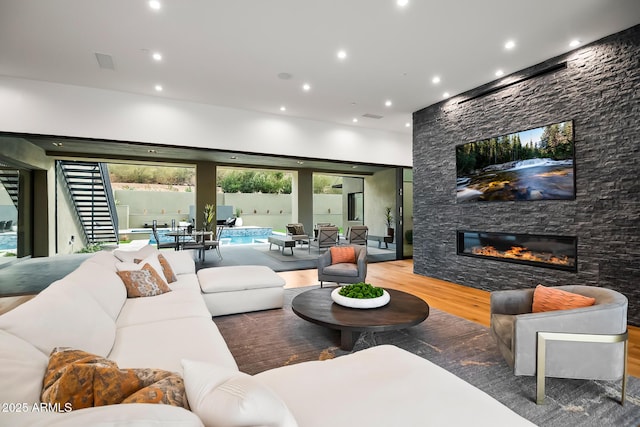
241 288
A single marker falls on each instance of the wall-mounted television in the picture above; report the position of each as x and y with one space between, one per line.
534 164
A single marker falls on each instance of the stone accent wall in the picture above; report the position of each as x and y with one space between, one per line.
598 90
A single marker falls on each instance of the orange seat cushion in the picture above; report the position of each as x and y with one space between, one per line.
549 299
343 254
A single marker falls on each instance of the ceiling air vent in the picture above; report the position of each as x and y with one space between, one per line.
372 116
105 61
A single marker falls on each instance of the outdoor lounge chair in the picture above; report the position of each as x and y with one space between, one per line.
357 235
327 237
297 233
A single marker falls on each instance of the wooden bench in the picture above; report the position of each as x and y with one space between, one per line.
381 239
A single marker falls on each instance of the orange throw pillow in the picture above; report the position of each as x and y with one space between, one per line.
166 269
345 254
143 283
75 379
549 299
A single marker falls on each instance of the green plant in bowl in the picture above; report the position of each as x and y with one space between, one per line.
361 290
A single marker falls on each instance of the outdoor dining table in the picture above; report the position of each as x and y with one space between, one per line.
182 236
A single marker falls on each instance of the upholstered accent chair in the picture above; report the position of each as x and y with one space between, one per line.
357 235
327 237
343 272
582 343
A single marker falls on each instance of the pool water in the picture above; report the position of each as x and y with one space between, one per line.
8 241
230 236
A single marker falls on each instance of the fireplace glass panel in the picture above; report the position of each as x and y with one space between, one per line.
559 252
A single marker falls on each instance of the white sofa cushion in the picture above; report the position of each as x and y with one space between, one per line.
236 278
22 368
228 398
60 317
181 262
162 344
384 377
131 256
101 283
125 415
104 258
170 305
186 282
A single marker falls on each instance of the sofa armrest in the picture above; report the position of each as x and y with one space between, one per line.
596 319
324 260
517 301
362 263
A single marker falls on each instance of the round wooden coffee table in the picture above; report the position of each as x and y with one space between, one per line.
402 311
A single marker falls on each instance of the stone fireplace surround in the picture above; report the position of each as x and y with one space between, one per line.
597 89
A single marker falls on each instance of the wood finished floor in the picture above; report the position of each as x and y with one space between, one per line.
469 303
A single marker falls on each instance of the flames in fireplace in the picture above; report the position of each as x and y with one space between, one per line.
558 252
522 254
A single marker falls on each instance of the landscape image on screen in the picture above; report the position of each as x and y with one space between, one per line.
535 164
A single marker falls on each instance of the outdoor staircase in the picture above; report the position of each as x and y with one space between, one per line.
90 189
9 179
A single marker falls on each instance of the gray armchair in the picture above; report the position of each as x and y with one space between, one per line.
343 272
583 343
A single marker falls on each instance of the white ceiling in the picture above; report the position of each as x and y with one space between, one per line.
229 53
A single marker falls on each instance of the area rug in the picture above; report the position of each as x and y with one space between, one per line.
269 339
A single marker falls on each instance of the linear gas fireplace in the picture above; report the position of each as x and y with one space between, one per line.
559 252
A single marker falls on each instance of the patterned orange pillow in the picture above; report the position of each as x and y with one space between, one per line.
549 299
343 254
145 282
75 379
166 269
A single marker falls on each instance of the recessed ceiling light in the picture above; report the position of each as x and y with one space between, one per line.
157 56
342 54
388 103
57 144
158 88
306 87
354 120
283 108
354 167
407 125
510 44
402 3
300 162
574 43
435 80
499 73
152 151
155 4
445 95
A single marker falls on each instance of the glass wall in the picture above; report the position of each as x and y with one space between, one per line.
9 198
407 212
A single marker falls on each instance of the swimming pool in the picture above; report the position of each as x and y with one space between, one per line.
8 241
230 236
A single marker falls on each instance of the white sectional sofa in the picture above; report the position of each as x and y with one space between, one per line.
89 310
